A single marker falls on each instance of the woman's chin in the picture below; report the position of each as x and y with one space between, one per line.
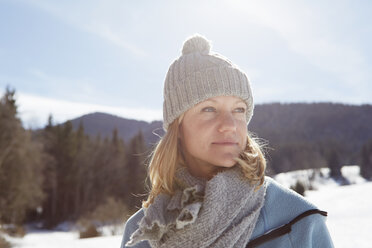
226 161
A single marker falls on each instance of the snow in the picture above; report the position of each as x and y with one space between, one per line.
349 207
318 178
349 213
47 239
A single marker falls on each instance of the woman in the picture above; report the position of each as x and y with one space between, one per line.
207 172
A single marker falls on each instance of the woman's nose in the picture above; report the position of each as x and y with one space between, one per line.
227 122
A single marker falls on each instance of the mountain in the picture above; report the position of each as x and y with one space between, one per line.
104 124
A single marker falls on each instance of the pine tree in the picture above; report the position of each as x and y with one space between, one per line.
61 146
136 171
49 141
334 164
20 165
117 165
366 163
299 187
79 168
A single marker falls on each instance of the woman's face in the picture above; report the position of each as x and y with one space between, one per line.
212 134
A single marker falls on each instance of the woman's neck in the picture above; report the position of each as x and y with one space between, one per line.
201 169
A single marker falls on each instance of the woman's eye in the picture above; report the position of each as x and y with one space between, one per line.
239 110
208 109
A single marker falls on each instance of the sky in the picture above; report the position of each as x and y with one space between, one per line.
69 58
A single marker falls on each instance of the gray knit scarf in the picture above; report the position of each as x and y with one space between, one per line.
221 212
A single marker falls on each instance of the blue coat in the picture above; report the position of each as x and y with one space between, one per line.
281 206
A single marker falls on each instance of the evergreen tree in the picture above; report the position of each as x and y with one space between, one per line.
61 146
79 168
20 165
299 187
117 165
366 163
334 164
136 171
66 170
49 141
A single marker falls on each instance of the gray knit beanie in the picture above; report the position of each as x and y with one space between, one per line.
198 75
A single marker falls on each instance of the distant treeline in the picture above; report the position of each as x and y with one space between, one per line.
302 136
299 135
62 172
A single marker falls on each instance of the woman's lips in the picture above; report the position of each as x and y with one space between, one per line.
225 143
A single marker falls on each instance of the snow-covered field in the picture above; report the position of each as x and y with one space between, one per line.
349 207
64 240
349 214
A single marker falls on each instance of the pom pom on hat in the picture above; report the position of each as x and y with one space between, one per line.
196 43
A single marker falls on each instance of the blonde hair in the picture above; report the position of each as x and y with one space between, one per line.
167 156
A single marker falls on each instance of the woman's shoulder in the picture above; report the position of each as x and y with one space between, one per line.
132 225
134 219
282 204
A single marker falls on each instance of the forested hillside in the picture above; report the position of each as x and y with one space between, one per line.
94 167
316 122
299 135
313 135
